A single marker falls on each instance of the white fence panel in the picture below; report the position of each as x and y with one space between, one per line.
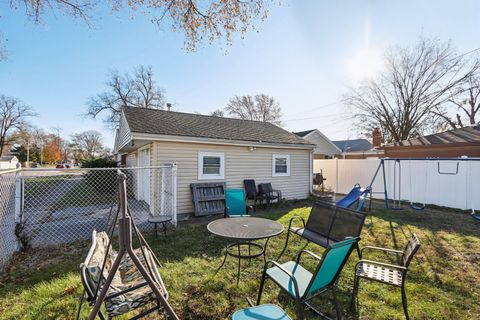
428 181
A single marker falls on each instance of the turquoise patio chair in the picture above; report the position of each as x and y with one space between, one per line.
301 284
235 204
262 312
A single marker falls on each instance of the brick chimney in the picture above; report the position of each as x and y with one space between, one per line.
376 137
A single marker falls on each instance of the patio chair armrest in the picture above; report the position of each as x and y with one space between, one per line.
309 253
288 273
295 218
393 266
379 249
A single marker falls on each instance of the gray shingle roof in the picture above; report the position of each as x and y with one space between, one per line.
161 122
303 133
353 145
462 135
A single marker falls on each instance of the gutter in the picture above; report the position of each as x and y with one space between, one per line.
168 138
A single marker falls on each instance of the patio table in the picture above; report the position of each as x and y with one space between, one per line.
245 230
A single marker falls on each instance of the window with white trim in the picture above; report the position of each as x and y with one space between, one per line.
211 165
280 165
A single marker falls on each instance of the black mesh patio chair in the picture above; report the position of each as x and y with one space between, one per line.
252 193
271 194
391 274
327 224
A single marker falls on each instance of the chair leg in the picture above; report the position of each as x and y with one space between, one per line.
260 290
300 312
335 302
285 247
404 302
354 292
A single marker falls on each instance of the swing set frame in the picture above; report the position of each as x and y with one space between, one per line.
397 173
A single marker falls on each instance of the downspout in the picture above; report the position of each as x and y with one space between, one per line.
310 175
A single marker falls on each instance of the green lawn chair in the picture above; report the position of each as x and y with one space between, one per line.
235 204
301 284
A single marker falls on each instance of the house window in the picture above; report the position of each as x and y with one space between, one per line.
280 165
211 165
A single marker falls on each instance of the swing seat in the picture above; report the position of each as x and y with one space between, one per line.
418 207
128 290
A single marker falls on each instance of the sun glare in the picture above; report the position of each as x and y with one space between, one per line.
365 65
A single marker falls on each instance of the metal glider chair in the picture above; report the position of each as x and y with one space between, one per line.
301 284
357 194
235 205
394 275
326 224
126 279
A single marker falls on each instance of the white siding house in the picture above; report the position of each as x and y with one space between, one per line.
212 149
324 147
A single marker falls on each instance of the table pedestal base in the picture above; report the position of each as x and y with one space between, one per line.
235 250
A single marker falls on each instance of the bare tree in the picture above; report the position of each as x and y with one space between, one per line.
466 103
417 81
260 108
199 21
13 115
87 144
218 113
139 90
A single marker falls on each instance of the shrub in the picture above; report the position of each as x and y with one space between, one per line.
103 181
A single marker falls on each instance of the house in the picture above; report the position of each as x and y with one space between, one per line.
346 149
361 148
212 149
8 162
324 147
454 143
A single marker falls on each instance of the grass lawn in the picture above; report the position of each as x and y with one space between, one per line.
443 283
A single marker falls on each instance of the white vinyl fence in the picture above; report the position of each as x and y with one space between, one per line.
427 181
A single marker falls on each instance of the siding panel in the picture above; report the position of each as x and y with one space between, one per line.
240 164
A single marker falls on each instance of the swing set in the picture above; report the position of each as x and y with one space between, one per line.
395 202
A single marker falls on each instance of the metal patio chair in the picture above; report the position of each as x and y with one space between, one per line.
301 284
394 275
270 193
326 224
261 312
252 193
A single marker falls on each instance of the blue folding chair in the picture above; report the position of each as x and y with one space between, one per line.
301 284
235 204
261 312
357 194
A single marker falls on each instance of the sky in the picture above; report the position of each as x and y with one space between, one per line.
306 54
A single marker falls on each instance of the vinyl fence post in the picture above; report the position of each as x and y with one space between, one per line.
336 176
174 192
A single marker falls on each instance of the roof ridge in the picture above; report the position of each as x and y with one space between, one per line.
199 114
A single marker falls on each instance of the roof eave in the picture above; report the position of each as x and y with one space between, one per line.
171 138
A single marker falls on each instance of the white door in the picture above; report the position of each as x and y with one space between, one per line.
144 175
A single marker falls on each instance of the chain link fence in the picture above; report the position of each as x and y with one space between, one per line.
66 205
8 240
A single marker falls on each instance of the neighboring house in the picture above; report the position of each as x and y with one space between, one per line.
208 149
453 143
8 162
361 148
324 148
